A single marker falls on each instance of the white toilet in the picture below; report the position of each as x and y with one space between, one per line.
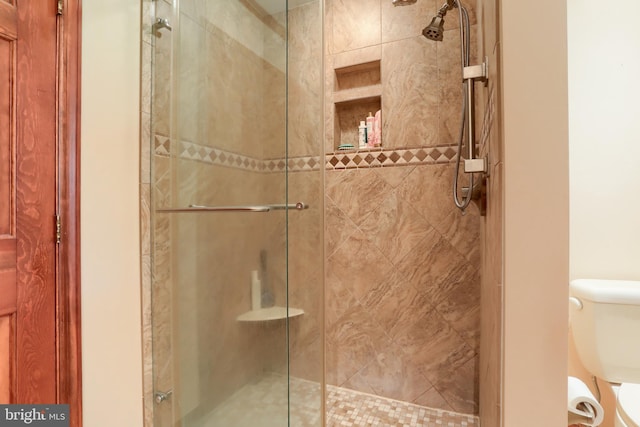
605 317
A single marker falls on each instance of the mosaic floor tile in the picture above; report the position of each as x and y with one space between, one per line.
264 404
350 408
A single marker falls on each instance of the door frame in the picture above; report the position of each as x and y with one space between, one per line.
68 315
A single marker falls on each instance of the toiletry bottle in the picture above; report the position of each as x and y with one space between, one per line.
362 135
371 135
256 291
377 129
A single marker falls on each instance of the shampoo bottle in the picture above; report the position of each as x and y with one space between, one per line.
362 135
371 134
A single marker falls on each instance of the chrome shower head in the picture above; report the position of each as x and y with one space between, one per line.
403 2
435 30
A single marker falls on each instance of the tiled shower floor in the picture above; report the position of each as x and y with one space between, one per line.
264 404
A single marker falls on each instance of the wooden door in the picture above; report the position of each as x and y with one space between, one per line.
39 298
8 238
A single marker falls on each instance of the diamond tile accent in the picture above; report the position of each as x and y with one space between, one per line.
339 160
162 145
205 154
389 158
450 153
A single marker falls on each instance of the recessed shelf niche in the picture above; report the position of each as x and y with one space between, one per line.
357 92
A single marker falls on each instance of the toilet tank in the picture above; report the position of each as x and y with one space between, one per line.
606 329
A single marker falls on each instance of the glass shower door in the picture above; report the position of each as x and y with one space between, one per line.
220 224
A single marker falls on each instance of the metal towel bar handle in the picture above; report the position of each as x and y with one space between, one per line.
258 208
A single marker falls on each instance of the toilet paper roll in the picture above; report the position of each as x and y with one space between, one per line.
583 408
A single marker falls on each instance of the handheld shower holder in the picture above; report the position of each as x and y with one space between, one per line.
476 72
475 165
470 74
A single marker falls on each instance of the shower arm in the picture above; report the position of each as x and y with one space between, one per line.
469 75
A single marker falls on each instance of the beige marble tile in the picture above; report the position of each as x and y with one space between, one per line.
307 362
305 231
146 56
450 87
396 304
161 249
433 399
330 125
356 57
460 387
451 19
162 182
338 227
355 192
328 29
191 94
493 224
338 300
405 22
162 327
434 267
428 190
148 13
463 232
394 176
356 24
395 227
392 374
147 340
352 342
194 9
145 219
145 148
358 383
304 108
434 347
305 32
358 265
409 95
274 114
235 96
461 309
162 77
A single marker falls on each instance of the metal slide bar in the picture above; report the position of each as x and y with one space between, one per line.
258 208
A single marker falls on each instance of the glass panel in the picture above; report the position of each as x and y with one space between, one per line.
237 295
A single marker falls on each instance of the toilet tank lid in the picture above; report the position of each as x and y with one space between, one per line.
607 291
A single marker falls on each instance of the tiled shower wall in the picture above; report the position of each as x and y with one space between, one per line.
492 224
219 132
403 264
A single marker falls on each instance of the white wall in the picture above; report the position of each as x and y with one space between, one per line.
536 212
111 333
604 114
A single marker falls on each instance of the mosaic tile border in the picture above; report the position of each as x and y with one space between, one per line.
351 408
164 146
392 157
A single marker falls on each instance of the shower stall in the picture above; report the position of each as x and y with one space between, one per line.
237 206
294 282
